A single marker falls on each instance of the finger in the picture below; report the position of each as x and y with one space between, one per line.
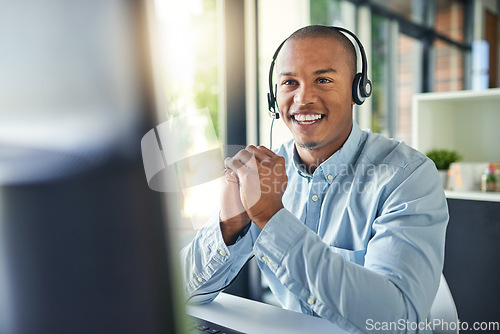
240 167
243 156
259 153
233 164
226 162
267 151
230 176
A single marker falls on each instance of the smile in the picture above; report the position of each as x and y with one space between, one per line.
307 118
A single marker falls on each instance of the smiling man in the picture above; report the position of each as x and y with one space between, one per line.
314 94
346 225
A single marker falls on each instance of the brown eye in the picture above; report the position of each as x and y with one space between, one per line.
324 80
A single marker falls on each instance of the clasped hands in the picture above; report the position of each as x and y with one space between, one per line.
253 185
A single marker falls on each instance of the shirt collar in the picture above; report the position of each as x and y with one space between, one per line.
337 161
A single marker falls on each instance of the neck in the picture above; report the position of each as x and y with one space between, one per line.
311 158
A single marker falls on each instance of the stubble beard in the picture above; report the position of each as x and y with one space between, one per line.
311 146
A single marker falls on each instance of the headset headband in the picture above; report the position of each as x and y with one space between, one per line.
362 86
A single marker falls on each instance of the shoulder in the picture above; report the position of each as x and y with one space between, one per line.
398 171
391 162
380 150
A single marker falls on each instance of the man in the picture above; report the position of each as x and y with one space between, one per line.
345 224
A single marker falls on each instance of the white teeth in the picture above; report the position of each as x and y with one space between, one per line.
306 117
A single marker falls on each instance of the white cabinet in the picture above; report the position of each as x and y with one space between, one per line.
465 121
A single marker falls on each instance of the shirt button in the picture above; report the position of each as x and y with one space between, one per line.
329 177
265 259
314 198
311 301
221 252
200 279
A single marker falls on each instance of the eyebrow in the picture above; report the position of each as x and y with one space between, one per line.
318 72
328 70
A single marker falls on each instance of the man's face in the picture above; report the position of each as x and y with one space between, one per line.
315 92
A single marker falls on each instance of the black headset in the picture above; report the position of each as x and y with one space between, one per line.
361 85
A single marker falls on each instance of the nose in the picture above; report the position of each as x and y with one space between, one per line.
304 95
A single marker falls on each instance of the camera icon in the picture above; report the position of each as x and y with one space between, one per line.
173 158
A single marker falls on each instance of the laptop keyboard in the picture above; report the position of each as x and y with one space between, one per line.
197 325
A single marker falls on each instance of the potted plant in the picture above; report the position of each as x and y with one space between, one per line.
443 158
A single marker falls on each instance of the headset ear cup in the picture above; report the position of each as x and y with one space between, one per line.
357 89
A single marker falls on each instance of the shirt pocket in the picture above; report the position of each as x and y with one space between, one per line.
356 256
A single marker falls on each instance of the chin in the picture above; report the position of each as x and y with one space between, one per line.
308 145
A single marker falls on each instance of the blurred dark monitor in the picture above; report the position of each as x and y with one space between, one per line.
84 244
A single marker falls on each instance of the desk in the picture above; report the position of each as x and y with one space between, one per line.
249 316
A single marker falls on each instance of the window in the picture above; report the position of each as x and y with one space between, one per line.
416 46
382 75
188 47
449 19
449 72
407 80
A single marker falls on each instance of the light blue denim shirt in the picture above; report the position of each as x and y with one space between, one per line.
359 242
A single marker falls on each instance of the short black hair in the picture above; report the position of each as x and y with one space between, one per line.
329 32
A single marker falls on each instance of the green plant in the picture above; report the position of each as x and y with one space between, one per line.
443 158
